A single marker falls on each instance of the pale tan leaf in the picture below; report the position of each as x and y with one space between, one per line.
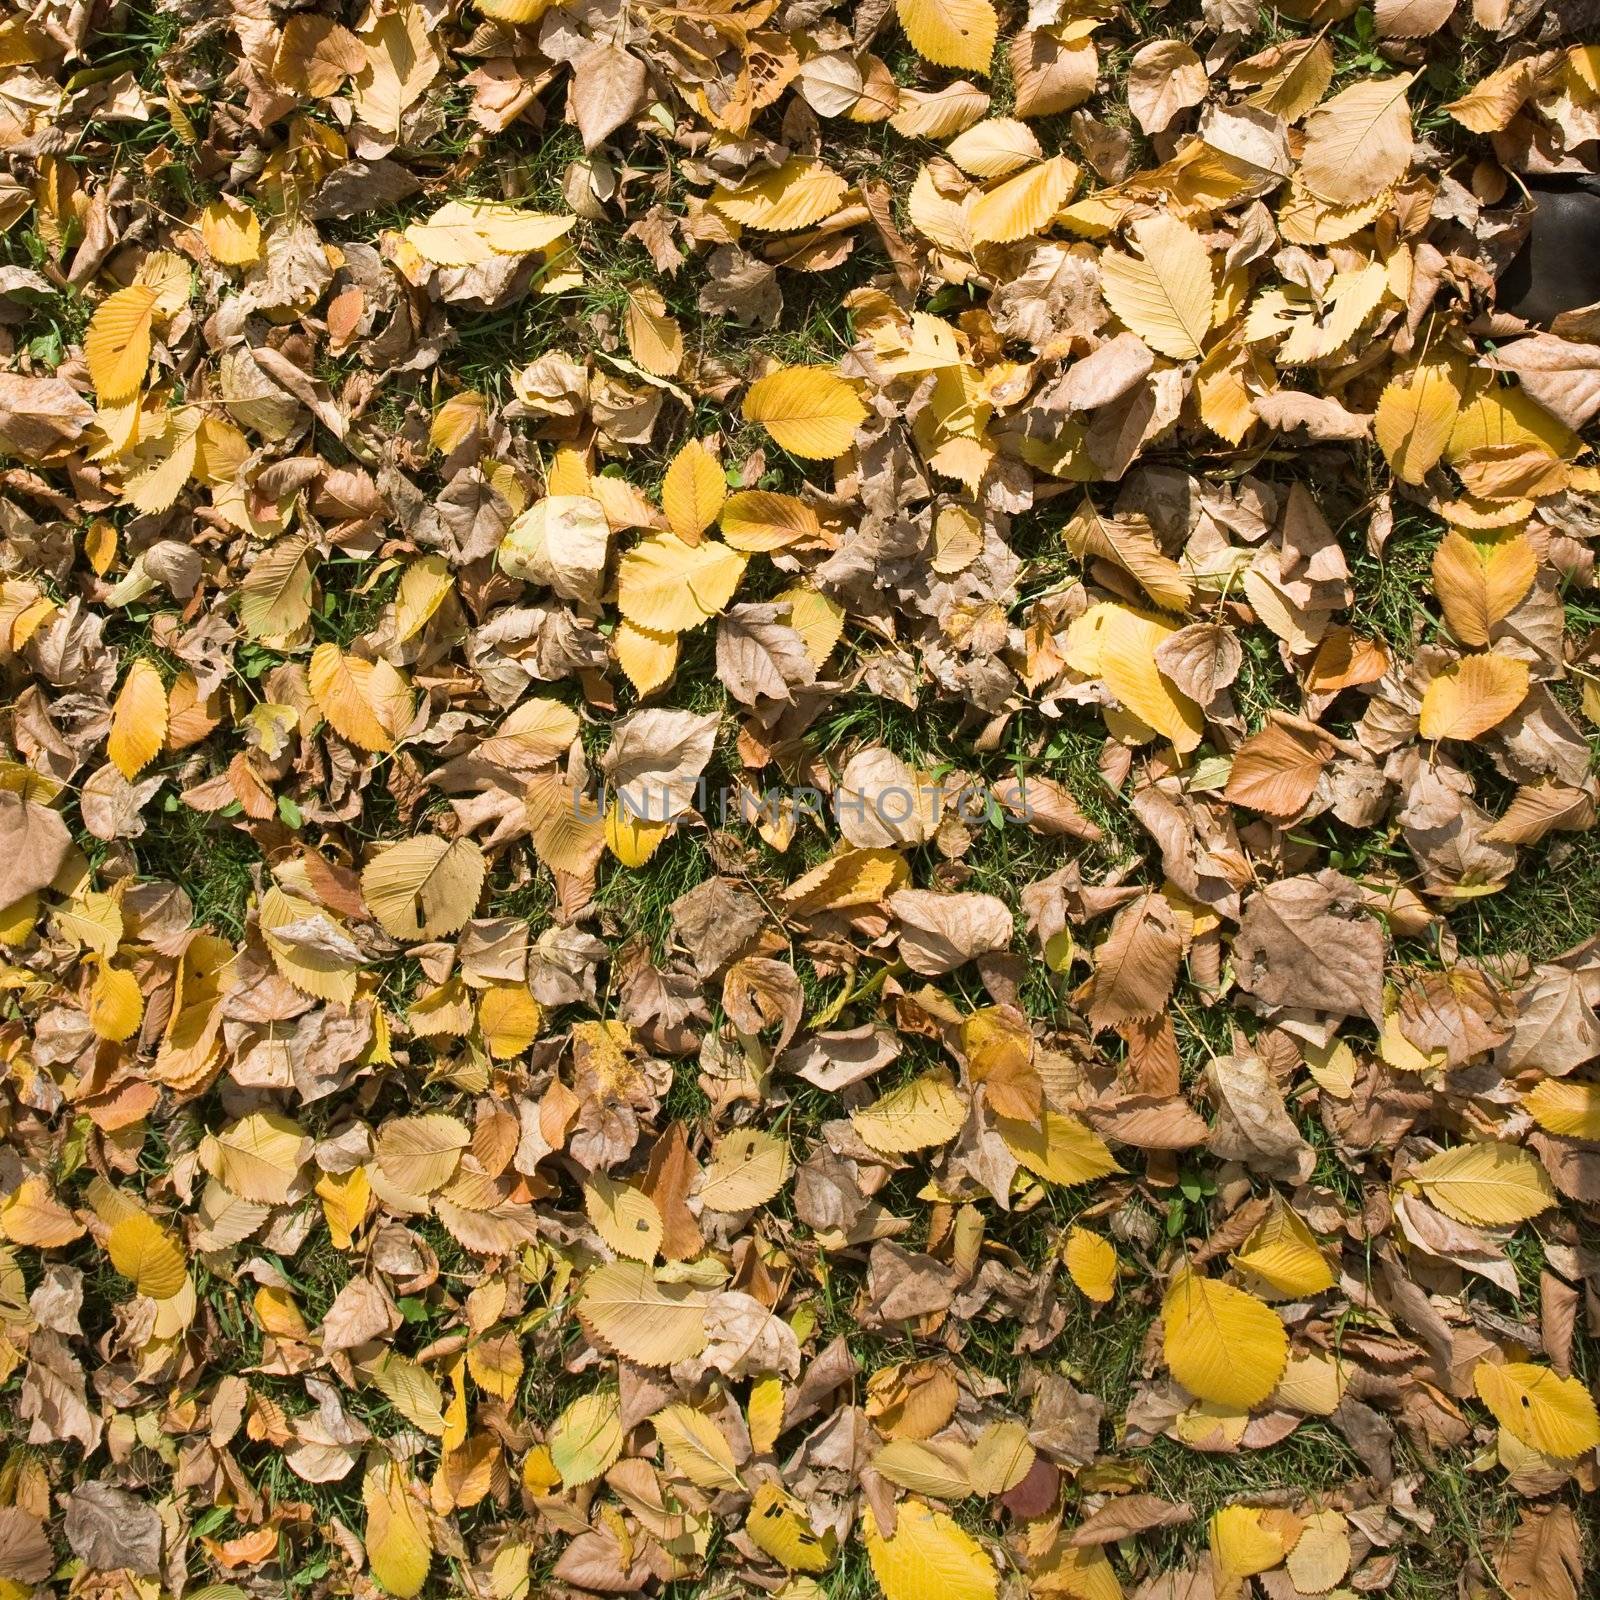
697 1447
1359 142
424 886
1165 293
626 1309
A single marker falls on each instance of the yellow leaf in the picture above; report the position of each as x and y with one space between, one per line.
1284 1252
231 231
749 1168
1566 1107
587 1438
696 1447
18 920
509 1018
155 487
399 1543
654 338
275 597
625 1309
1240 1547
1416 414
117 345
1480 582
419 1155
809 411
1359 142
1131 544
1472 696
345 1197
32 1215
412 1391
539 1475
466 233
1489 1185
1023 204
1057 1148
951 33
797 195
632 839
259 1158
278 1314
520 13
536 732
319 966
817 618
1221 1344
568 829
998 1045
693 491
764 1414
1082 1574
1493 101
1539 1407
755 519
116 1007
423 587
1092 1264
938 1467
778 1524
929 1556
138 720
626 1218
141 1249
939 113
366 702
496 1365
995 147
424 886
1292 77
1165 294
460 419
850 878
649 656
1499 419
445 1009
666 586
927 1111
1119 644
1002 1457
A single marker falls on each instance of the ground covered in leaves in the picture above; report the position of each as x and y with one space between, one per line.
795 799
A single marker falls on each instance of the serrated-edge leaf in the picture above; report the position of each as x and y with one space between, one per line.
697 1447
1222 1344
